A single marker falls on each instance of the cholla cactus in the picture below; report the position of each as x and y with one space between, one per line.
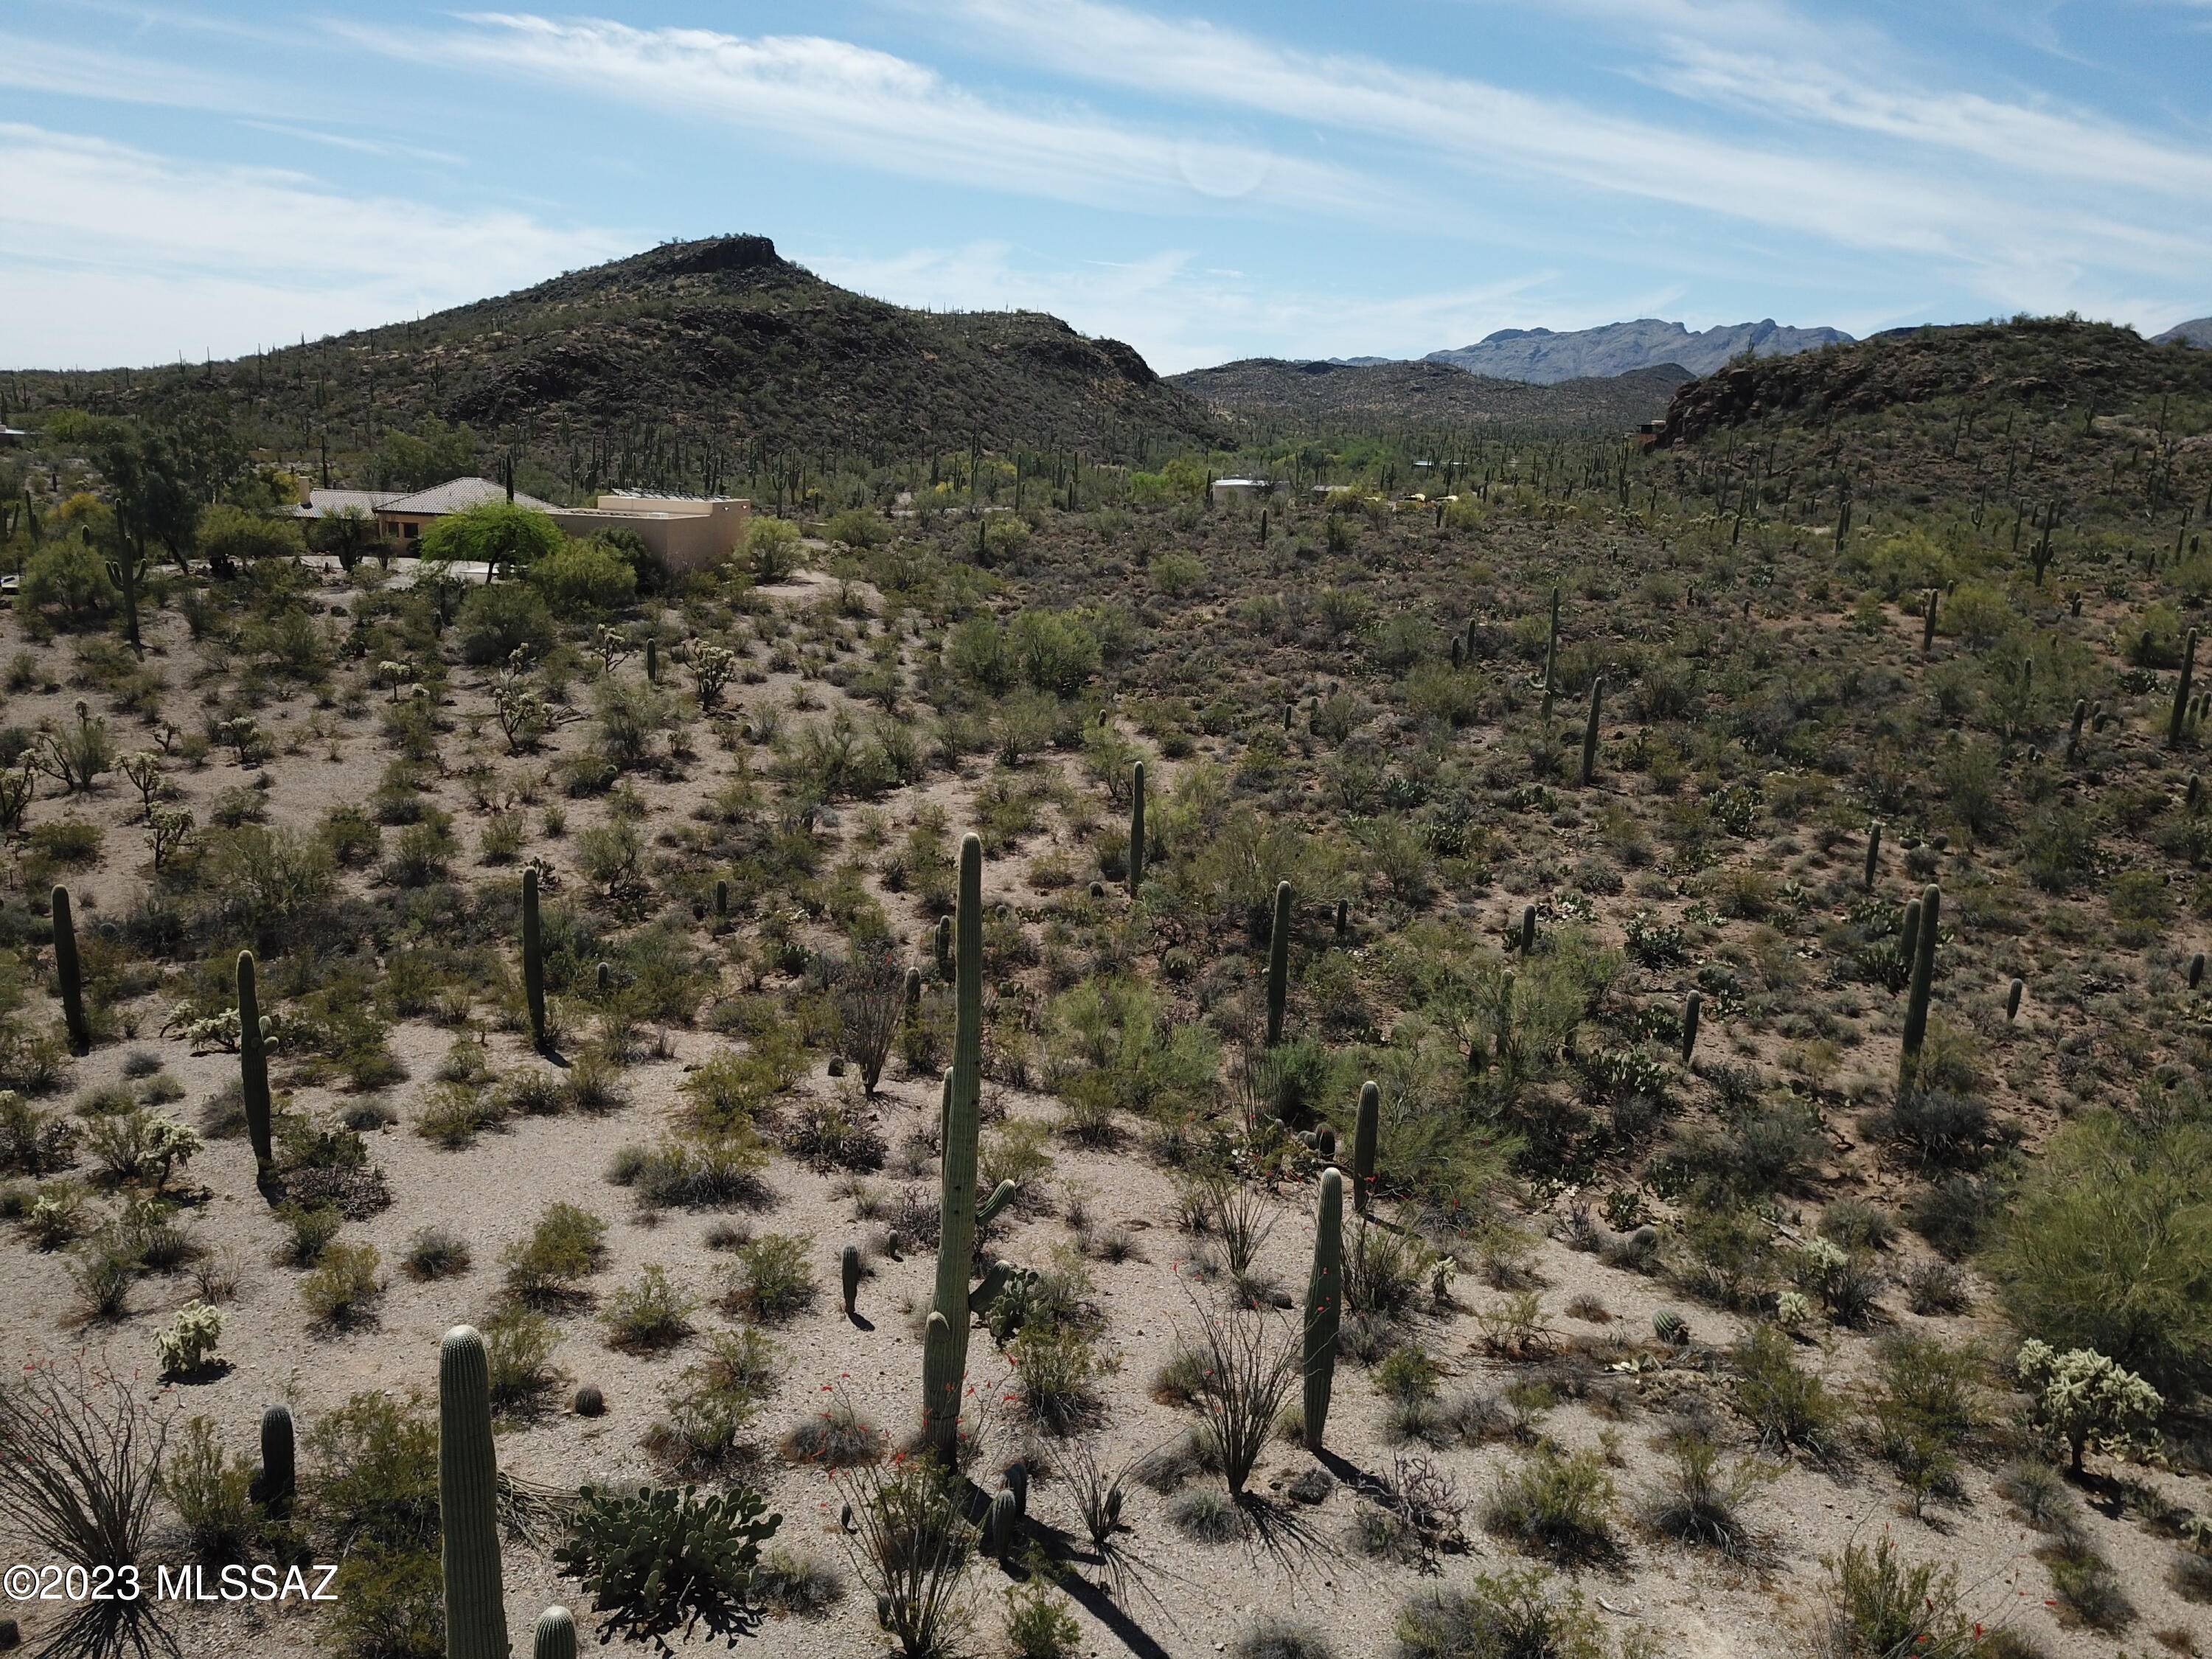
169 1146
713 667
2081 1396
1792 1308
190 1342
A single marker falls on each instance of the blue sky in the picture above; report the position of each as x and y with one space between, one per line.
1207 180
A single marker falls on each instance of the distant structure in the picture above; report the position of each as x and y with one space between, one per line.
683 532
1239 489
10 436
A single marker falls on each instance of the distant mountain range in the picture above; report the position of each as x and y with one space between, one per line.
1543 357
2196 332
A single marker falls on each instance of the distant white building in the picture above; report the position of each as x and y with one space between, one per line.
1240 489
683 533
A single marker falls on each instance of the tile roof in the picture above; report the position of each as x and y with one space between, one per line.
455 495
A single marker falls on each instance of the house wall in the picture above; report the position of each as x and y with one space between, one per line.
682 535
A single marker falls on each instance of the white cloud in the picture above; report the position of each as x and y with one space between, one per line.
829 97
114 255
359 146
1179 315
2012 242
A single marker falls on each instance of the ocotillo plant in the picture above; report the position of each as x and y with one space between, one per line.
944 1347
2173 727
279 1461
1136 827
1590 730
848 1276
468 1501
1923 974
69 973
1279 964
1324 1309
555 1635
253 1063
1692 1005
533 959
1366 1130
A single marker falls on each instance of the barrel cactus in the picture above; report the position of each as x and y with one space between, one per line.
555 1635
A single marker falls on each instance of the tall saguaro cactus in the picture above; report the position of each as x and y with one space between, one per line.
1366 1130
1923 974
1590 730
534 958
1692 1006
1874 853
253 1063
1551 653
1324 1309
1279 964
1136 827
68 972
2179 718
945 1346
468 1501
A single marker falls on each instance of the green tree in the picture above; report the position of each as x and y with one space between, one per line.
501 618
585 579
418 460
493 532
348 533
232 537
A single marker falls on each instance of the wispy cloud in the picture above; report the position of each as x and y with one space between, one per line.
359 146
29 64
116 254
2017 247
835 97
1178 313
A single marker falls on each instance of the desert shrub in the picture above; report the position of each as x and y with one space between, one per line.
1560 1503
212 1491
631 713
664 1560
566 1246
1701 1495
787 1581
498 620
1058 1372
1925 1404
1789 1407
836 1438
717 1399
1935 1286
583 579
518 1344
649 1315
1512 1615
772 1281
1207 1515
434 1253
772 549
343 1287
1877 1605
2109 1247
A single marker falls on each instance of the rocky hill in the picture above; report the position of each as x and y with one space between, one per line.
2044 364
1545 357
2197 332
691 359
1422 394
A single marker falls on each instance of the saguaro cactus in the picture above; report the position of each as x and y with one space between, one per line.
2196 969
1528 928
1590 730
1366 1130
1928 625
721 909
1002 1525
1923 974
1324 1309
1551 653
652 660
1279 964
1874 853
468 1501
944 1347
2012 1000
1692 1005
533 959
69 973
848 1276
253 1063
1908 933
2074 735
556 1636
1136 827
279 1460
2173 725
